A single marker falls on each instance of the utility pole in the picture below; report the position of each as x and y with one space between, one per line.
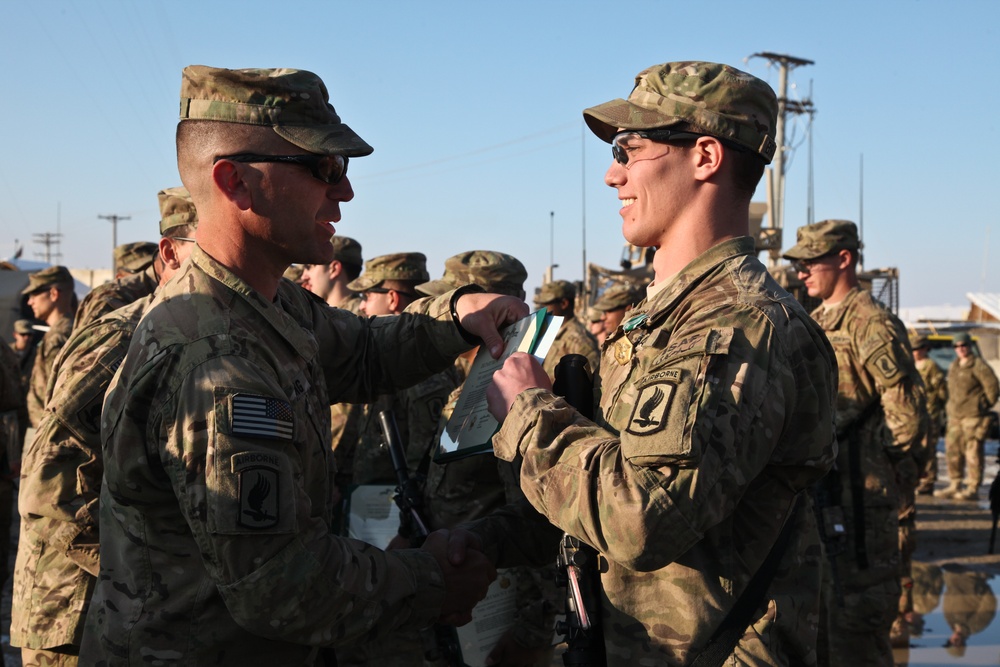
776 174
114 233
48 239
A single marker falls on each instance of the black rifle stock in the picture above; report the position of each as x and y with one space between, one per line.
442 641
578 562
995 507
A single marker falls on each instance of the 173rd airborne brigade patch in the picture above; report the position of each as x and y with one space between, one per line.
649 413
267 418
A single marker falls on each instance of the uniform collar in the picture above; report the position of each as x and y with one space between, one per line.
831 318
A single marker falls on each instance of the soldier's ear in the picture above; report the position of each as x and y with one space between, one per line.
228 179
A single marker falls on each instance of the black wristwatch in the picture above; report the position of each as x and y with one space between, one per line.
464 289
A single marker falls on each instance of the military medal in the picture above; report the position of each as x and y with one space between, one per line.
633 322
623 350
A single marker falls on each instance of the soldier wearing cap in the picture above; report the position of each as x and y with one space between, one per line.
614 302
972 391
24 345
936 392
715 402
595 325
132 258
329 281
58 549
216 502
559 297
387 287
178 222
50 296
880 428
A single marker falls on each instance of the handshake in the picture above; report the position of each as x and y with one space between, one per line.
467 571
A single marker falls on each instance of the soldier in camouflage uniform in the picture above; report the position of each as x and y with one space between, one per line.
387 287
936 391
132 258
178 220
972 391
614 302
595 325
58 550
216 502
329 281
716 399
50 295
880 428
559 297
24 346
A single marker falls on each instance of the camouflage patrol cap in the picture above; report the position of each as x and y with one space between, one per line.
822 238
53 275
594 315
176 209
294 103
293 273
410 266
554 291
346 250
718 100
961 338
495 272
23 327
618 295
919 341
134 257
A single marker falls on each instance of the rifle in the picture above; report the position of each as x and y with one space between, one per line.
578 562
829 513
441 642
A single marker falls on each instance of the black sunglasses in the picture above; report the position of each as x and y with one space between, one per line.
805 265
328 168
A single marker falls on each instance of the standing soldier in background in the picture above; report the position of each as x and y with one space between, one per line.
58 550
936 391
329 281
614 302
880 432
24 346
972 391
178 220
50 295
559 297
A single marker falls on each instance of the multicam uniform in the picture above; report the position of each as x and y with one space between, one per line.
936 390
215 512
57 555
879 430
114 295
716 413
972 391
572 338
45 355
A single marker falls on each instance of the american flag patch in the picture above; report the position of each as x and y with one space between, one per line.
261 417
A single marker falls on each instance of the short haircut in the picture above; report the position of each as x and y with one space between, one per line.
352 271
747 167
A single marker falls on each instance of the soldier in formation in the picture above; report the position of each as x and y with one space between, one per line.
132 258
50 296
972 391
329 281
880 431
936 392
58 550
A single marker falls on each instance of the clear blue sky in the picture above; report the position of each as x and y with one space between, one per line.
474 110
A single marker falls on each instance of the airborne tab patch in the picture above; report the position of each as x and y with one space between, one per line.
649 414
262 417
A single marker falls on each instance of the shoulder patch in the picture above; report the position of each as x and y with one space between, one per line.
649 413
261 417
258 489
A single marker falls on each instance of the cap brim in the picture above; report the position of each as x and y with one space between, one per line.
325 139
605 120
363 283
435 288
800 251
